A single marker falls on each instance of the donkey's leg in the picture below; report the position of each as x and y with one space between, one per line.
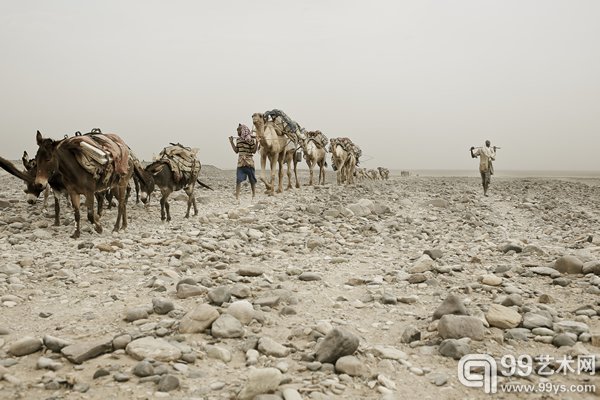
190 192
168 209
100 199
56 209
162 208
75 199
122 208
137 190
89 203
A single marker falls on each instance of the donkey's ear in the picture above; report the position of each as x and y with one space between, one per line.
25 155
38 138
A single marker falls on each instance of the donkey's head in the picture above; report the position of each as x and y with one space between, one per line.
46 161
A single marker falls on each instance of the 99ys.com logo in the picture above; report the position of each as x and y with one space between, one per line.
481 370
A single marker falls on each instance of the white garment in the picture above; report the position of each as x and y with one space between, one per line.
486 156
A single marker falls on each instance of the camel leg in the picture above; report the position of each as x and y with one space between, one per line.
296 172
273 169
280 165
310 169
75 200
136 183
288 162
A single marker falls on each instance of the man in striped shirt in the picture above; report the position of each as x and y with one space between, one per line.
245 146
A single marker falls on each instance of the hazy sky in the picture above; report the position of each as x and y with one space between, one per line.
414 83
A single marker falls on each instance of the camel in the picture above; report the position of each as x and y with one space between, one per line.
384 173
275 148
361 174
60 157
373 174
314 153
345 162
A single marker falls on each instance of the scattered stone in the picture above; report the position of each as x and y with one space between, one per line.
491 280
563 339
168 383
569 265
227 326
218 353
337 343
48 363
151 348
410 335
143 369
434 253
451 305
350 365
309 276
100 373
416 278
250 271
460 326
185 291
532 320
121 341
25 346
260 381
503 317
455 348
133 314
80 352
199 319
219 295
162 306
270 347
242 310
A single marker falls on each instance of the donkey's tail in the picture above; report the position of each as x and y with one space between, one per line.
12 169
204 185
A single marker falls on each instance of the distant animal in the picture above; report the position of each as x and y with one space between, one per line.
314 153
384 173
161 174
345 162
373 174
277 149
60 157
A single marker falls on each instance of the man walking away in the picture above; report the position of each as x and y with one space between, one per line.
486 155
245 146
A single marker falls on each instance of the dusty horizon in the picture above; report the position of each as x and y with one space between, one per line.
414 84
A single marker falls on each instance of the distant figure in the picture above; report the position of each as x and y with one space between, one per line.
486 155
245 146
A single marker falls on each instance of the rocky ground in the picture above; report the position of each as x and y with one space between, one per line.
370 291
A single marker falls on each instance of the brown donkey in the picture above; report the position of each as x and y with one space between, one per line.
60 157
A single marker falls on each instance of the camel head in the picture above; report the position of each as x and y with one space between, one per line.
258 120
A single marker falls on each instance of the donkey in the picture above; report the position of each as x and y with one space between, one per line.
164 177
58 157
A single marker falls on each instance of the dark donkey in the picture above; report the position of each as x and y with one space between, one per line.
168 182
60 157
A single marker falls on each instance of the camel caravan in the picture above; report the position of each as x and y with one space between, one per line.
100 166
